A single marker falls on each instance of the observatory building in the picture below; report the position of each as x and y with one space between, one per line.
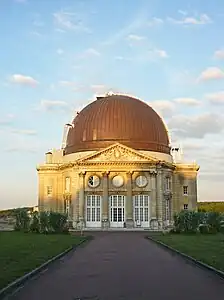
117 169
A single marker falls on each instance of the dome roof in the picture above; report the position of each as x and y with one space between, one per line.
117 119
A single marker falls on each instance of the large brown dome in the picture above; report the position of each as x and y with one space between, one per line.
117 118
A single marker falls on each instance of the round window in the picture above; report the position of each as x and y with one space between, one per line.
93 181
141 181
118 181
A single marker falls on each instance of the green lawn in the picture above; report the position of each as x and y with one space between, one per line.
207 248
22 252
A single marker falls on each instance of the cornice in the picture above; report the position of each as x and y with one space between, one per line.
187 167
67 165
47 167
142 164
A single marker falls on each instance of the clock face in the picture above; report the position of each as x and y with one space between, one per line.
93 181
118 181
141 181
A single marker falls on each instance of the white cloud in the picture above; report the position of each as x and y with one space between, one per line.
138 22
219 54
200 20
182 12
187 101
136 38
196 126
164 108
91 52
25 148
157 53
211 73
98 88
67 83
216 98
69 21
155 22
122 58
36 33
53 105
7 120
23 80
24 131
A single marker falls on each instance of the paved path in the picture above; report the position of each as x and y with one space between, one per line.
118 266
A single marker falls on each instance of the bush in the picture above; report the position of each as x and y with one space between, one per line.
58 222
22 220
204 228
222 229
43 222
192 222
35 223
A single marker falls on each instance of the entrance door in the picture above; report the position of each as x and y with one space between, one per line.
117 211
141 210
93 211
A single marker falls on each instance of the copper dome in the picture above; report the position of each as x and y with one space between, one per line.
117 118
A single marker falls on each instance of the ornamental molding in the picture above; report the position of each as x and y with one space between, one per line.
66 166
48 167
187 167
117 153
167 194
67 196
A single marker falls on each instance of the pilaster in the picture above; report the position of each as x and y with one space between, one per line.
153 196
159 196
129 201
105 203
81 196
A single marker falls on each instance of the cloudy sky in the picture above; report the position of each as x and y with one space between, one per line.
56 55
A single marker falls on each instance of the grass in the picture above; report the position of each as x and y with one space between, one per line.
20 253
207 248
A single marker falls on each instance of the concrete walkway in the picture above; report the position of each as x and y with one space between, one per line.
118 266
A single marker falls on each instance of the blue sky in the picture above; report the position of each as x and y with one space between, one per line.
56 55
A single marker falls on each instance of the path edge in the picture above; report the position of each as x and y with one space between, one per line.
21 280
188 258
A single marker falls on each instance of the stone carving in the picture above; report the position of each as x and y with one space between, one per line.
119 153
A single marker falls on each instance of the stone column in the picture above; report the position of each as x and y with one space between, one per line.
129 202
159 197
81 196
105 203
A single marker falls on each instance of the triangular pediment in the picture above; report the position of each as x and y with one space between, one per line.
117 153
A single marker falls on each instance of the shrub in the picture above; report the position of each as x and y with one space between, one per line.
43 222
189 221
222 228
58 222
35 223
204 228
213 220
22 220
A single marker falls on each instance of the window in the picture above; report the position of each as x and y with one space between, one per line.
185 206
185 190
167 211
67 184
93 181
49 191
168 184
67 204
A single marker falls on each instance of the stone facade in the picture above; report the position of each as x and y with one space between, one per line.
83 186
